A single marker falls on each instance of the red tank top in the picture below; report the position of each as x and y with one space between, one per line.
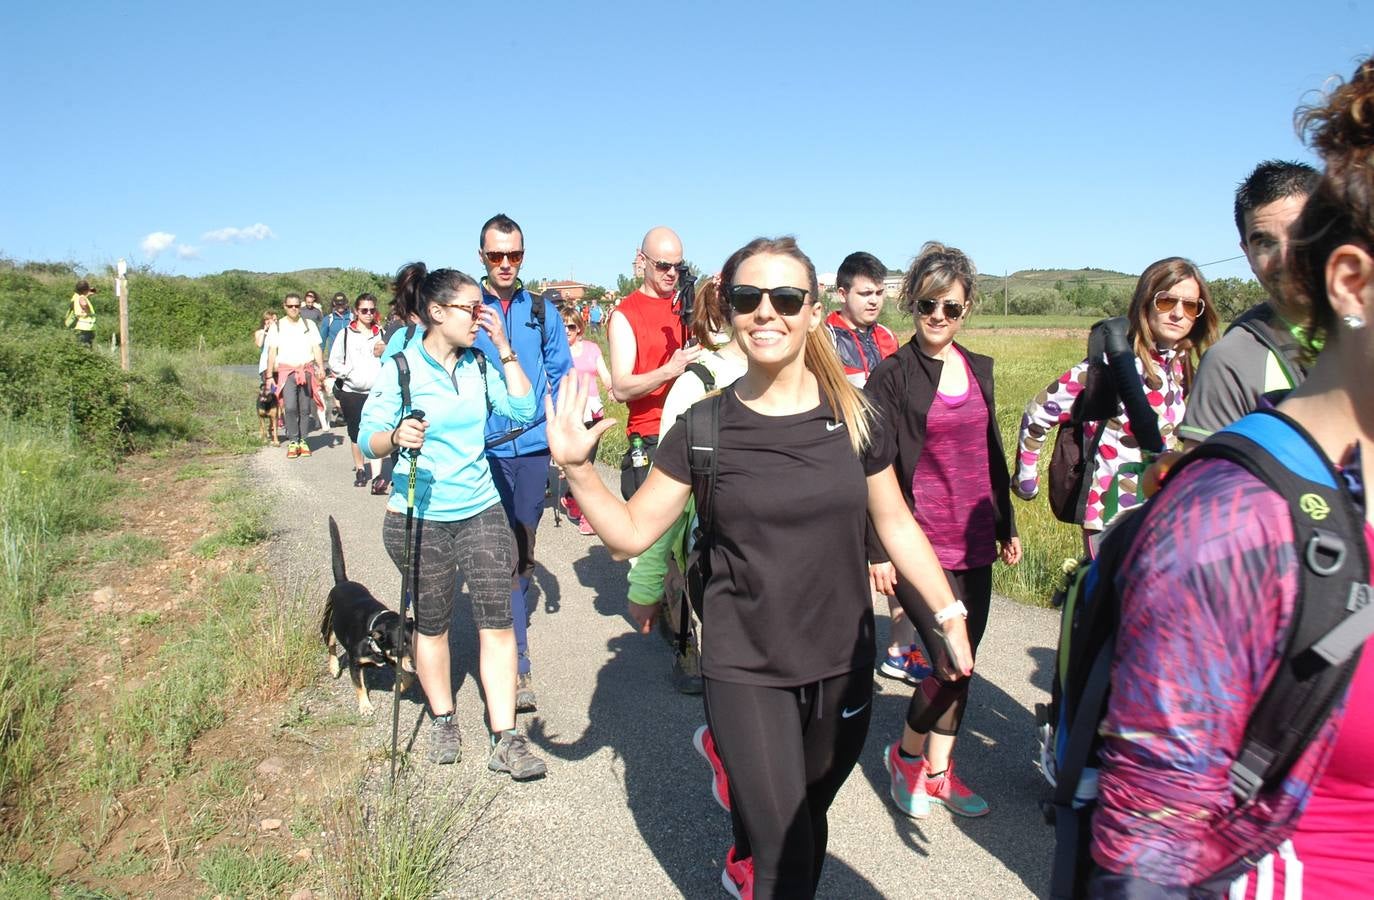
658 332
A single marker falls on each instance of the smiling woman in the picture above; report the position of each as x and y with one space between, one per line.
788 630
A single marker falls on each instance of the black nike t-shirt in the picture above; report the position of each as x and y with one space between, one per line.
788 601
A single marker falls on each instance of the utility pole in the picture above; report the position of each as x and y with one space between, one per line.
122 291
1006 294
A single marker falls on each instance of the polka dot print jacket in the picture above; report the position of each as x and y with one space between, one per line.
1116 470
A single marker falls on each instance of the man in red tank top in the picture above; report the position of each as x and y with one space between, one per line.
647 351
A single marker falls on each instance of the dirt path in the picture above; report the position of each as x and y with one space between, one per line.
626 809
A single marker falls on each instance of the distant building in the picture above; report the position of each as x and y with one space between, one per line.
571 290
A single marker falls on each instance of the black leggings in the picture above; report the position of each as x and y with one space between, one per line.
936 705
787 751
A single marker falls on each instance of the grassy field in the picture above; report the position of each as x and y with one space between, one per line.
1029 352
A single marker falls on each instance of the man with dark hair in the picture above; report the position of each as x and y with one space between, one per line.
860 341
648 351
519 457
339 318
1259 352
310 309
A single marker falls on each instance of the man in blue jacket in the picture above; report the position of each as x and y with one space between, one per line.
520 461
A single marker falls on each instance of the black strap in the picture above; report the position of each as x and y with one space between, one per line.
700 371
538 313
1261 331
703 437
1331 622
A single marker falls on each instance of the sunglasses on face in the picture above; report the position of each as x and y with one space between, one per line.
293 306
470 309
745 298
1192 308
495 256
953 308
662 265
367 309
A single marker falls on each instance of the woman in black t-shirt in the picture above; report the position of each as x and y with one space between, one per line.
787 621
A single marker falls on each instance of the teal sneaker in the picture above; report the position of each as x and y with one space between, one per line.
908 789
951 793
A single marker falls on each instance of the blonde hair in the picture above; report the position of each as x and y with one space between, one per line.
850 405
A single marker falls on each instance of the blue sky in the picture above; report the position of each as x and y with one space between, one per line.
274 137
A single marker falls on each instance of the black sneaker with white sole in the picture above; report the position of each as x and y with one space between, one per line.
524 694
511 754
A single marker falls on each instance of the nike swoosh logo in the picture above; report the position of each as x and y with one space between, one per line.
834 426
851 713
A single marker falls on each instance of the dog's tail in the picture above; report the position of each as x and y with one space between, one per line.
336 552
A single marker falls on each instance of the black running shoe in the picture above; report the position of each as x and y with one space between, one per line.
445 743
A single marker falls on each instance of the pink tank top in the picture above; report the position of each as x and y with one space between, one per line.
951 486
1336 830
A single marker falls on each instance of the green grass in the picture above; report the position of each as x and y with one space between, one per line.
243 519
400 849
132 549
234 872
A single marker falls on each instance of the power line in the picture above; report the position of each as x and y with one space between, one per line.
1220 261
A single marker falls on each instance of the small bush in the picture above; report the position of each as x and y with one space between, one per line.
234 872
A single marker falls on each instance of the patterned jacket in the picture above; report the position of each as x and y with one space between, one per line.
860 351
1113 489
1209 586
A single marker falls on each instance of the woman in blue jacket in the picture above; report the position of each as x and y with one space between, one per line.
459 521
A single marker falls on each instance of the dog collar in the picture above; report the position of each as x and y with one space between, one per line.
372 621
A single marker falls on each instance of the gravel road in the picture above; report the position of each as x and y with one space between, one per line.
626 809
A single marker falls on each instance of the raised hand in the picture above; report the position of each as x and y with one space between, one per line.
571 443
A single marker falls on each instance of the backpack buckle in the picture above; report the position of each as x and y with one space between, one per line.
1361 595
1247 775
1325 553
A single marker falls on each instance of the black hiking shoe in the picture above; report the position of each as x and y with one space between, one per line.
445 744
511 754
687 671
524 694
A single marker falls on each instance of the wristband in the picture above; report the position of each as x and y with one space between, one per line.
957 608
395 444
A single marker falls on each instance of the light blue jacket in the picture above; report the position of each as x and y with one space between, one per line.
545 363
452 477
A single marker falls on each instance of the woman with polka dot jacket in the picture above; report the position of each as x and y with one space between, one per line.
1172 321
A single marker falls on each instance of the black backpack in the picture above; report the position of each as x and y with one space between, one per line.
703 437
1333 617
1111 380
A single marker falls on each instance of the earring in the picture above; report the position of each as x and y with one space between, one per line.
1353 322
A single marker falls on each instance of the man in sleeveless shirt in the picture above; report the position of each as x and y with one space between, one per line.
648 351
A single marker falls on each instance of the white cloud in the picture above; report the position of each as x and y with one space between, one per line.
156 242
258 232
186 251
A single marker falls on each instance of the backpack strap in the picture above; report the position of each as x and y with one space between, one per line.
1261 332
707 379
1334 615
702 421
482 368
538 314
410 335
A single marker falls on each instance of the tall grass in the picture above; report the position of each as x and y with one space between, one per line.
48 489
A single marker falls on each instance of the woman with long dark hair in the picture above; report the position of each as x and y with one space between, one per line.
355 360
788 643
459 523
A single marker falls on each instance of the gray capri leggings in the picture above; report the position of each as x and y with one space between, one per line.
480 547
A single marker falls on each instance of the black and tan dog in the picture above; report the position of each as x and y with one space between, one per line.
268 411
370 633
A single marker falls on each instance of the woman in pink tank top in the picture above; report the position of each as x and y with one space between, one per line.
937 396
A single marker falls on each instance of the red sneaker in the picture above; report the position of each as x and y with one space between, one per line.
720 784
569 503
951 793
585 527
738 876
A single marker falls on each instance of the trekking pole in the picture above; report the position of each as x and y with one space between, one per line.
407 583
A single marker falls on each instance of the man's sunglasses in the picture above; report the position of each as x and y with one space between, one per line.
953 308
293 306
495 256
745 298
662 265
1165 302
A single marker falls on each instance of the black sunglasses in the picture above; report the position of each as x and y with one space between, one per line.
745 298
953 308
662 264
